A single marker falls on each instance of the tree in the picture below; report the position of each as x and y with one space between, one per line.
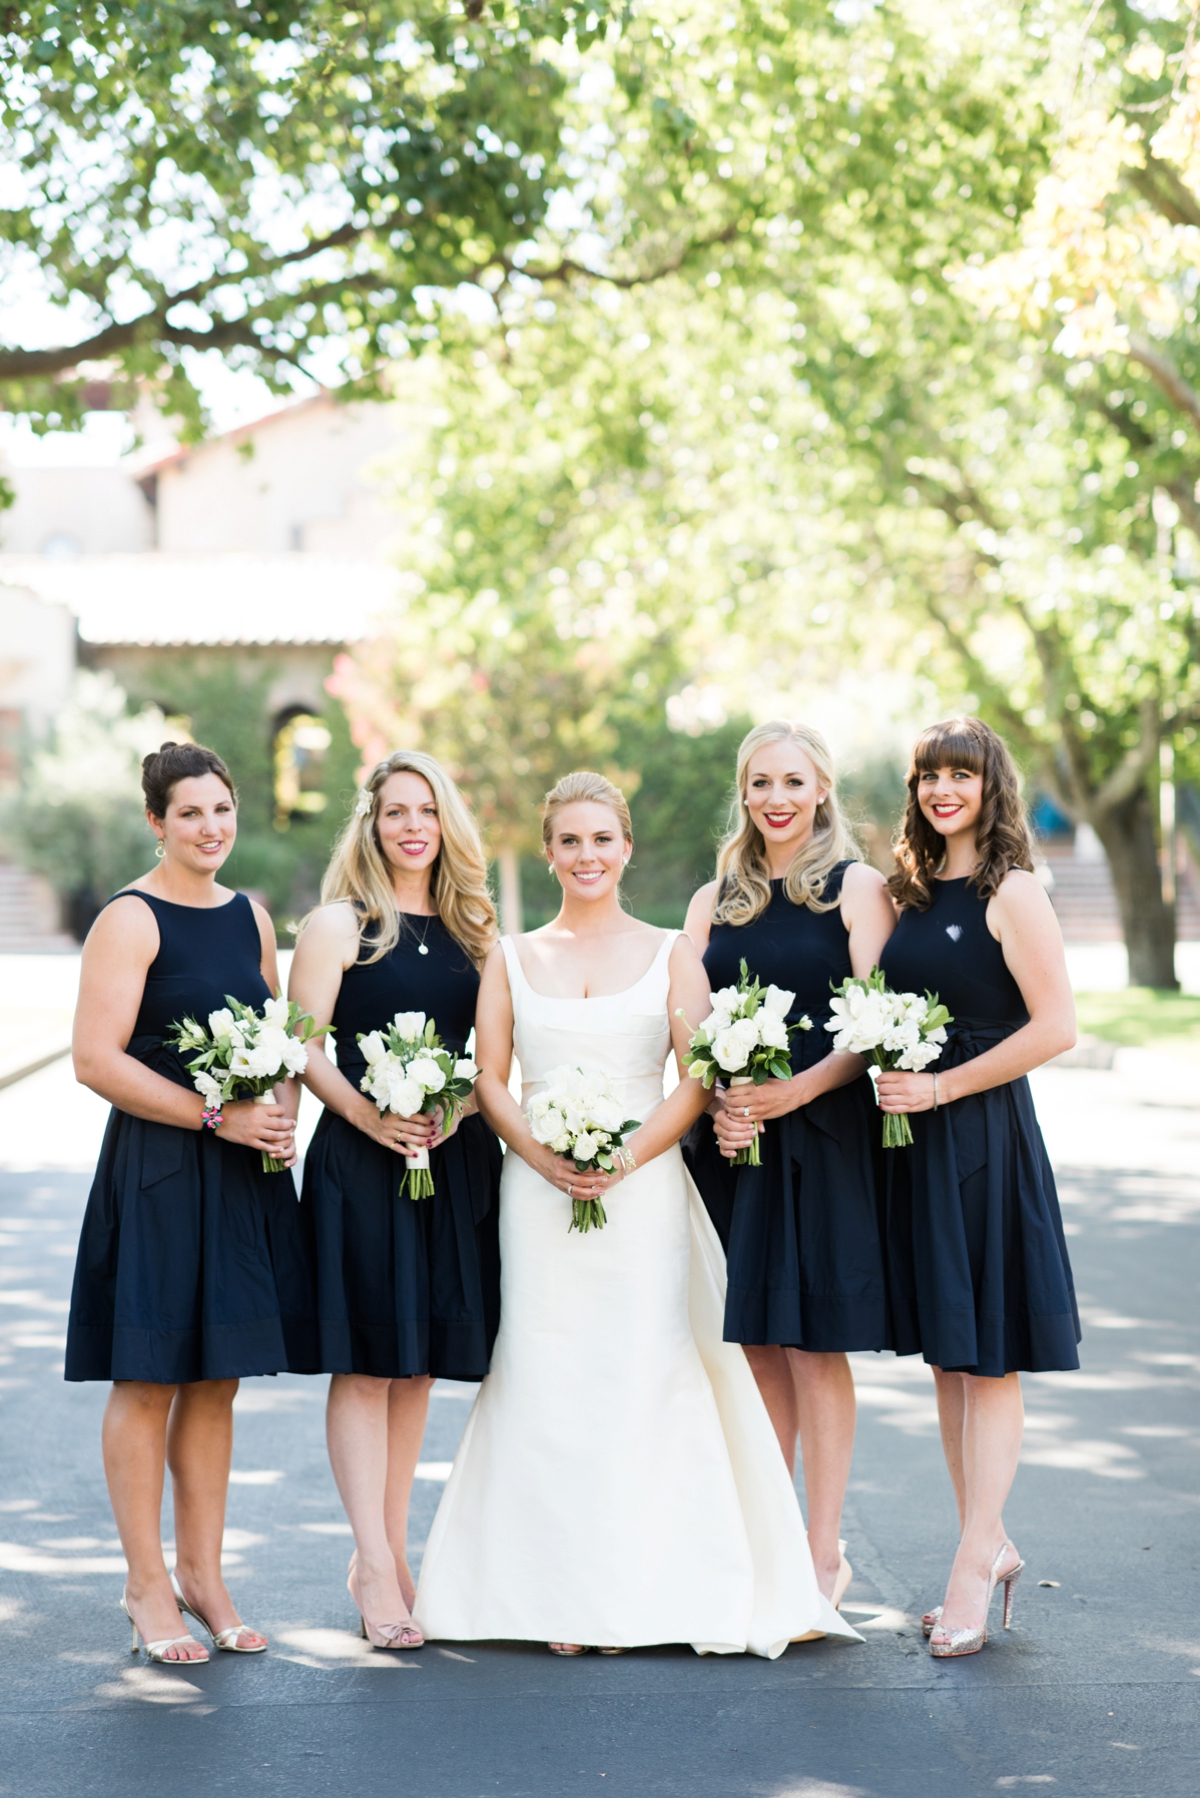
273 181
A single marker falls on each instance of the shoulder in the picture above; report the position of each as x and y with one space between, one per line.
861 878
1021 898
329 923
684 954
126 919
700 909
263 919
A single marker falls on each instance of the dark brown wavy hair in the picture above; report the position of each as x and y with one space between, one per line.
1002 834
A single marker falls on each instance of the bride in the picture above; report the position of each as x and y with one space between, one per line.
619 1482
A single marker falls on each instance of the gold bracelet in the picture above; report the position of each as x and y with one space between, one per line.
935 1093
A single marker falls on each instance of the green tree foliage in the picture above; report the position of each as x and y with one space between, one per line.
262 180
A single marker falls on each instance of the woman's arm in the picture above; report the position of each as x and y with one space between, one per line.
869 917
698 922
1022 919
120 947
268 962
688 993
329 945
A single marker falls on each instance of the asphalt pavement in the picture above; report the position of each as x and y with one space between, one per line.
1094 1693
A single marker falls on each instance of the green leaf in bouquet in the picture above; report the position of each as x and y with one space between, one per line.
781 1070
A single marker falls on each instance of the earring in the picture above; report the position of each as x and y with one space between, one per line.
160 850
550 869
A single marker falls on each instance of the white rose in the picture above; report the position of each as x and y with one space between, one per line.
404 1097
295 1055
205 1084
777 1002
426 1072
561 1144
465 1070
263 1063
410 1025
221 1024
276 1012
918 1057
733 1046
547 1127
239 1062
586 1147
772 1030
608 1114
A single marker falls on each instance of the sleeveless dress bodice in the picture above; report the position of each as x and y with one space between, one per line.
979 1276
790 946
628 1033
612 1400
802 1232
949 949
204 955
193 1261
405 1286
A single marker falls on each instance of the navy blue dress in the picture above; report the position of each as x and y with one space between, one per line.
803 1232
405 1286
192 1262
979 1276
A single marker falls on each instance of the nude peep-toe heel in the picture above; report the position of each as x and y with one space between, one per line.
970 1641
157 1651
385 1635
845 1574
224 1639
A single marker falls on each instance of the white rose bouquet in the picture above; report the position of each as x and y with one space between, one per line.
896 1030
576 1115
746 1037
410 1070
245 1051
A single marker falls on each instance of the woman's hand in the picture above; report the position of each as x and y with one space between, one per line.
266 1127
905 1092
558 1171
404 1136
444 1132
741 1116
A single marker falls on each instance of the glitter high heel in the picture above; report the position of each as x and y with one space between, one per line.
970 1641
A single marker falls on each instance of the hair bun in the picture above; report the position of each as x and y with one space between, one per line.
164 768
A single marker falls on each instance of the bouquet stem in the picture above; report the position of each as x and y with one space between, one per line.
897 1131
586 1214
751 1157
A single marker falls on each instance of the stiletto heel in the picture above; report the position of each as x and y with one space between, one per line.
970 1641
225 1639
845 1574
157 1651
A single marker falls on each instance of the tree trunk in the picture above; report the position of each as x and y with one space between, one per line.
511 915
1127 833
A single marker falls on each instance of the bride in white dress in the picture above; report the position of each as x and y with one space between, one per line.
619 1482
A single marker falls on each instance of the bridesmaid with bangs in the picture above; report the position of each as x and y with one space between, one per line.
802 1233
980 1280
407 1290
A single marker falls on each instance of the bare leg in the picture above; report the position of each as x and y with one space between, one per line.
356 1429
951 1403
408 1407
773 1374
825 1405
134 1440
199 1450
993 1423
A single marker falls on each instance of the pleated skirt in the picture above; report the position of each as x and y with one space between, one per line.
803 1233
404 1286
193 1263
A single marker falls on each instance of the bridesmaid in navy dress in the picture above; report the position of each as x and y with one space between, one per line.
191 1268
407 1290
980 1279
802 1232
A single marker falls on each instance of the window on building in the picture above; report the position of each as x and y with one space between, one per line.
301 752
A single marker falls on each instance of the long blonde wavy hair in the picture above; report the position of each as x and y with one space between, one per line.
743 873
358 870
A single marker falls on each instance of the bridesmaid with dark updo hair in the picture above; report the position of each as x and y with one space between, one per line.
191 1269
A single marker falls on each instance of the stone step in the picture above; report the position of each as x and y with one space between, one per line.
1083 897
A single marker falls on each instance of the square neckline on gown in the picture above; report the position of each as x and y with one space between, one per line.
669 938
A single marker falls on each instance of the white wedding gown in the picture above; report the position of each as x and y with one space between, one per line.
619 1482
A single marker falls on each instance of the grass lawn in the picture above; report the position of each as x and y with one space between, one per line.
1142 1017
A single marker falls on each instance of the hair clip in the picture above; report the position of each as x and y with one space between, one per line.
364 802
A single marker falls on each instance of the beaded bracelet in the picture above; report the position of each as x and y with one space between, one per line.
211 1117
625 1156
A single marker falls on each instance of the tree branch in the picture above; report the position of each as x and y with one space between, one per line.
566 269
1131 771
1164 373
1166 191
